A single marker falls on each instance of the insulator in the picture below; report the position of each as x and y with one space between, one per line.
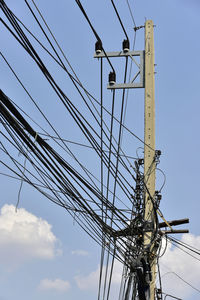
159 294
159 197
125 45
158 153
98 47
112 78
140 161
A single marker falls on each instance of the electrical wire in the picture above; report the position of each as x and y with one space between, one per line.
58 93
131 13
186 282
185 244
38 140
56 173
164 182
59 138
94 31
130 132
178 244
120 21
77 80
68 99
127 94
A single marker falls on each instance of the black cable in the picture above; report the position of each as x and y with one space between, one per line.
77 80
111 273
113 201
82 145
89 95
63 140
60 59
28 140
62 65
46 195
120 21
95 33
185 244
177 245
60 93
103 239
160 281
120 132
38 139
127 93
108 182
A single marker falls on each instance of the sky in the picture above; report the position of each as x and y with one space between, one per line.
44 254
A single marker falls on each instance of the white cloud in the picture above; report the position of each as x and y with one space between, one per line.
80 252
90 281
58 285
174 261
24 236
185 266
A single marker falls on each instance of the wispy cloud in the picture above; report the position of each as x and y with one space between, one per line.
90 281
58 285
80 252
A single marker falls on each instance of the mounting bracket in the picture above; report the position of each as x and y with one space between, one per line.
140 66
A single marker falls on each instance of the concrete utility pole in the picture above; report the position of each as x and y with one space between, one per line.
149 152
144 77
145 72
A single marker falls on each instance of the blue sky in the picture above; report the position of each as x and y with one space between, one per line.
45 255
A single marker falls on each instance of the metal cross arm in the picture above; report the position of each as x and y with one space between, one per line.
140 67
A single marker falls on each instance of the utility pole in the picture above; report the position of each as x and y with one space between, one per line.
144 263
145 73
149 150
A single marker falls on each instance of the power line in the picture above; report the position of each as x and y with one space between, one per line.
178 244
127 1
63 98
120 21
50 164
94 31
186 282
67 103
127 94
97 102
185 244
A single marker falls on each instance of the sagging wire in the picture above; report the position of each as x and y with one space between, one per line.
68 103
38 138
94 31
131 13
120 21
77 80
